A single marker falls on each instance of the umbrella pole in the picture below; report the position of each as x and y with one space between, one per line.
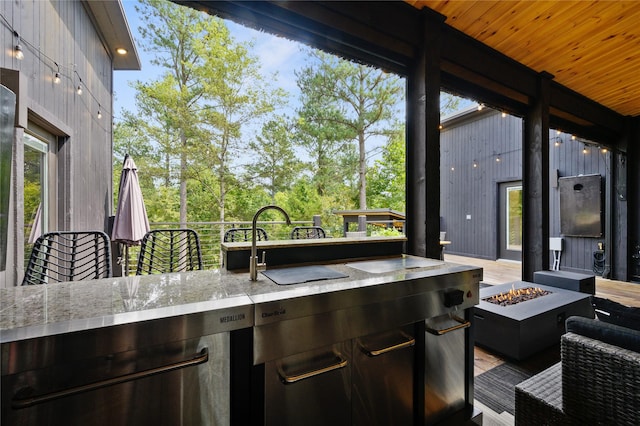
126 260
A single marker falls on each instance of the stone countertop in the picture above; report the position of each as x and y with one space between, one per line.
43 310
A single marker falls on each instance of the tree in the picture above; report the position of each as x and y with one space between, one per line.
349 102
387 179
197 112
236 97
275 161
170 104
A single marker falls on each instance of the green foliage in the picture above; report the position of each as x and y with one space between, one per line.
344 103
387 177
275 164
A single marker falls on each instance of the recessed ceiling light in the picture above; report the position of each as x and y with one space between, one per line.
121 51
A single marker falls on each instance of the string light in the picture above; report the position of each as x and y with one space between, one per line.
18 52
504 114
57 72
56 76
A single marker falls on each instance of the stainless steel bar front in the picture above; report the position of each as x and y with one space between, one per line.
376 352
19 401
462 323
342 362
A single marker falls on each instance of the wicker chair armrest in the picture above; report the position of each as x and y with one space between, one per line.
600 382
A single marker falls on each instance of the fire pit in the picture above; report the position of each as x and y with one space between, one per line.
515 296
532 321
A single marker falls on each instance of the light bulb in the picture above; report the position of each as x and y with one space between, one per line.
19 53
79 90
99 114
56 78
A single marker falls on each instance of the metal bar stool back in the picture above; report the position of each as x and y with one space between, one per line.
244 234
169 250
69 256
307 233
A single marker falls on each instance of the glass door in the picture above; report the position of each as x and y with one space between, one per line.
510 233
36 206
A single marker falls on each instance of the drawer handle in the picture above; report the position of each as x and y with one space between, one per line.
341 363
410 341
461 324
23 402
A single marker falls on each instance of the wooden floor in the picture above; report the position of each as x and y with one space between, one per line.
504 271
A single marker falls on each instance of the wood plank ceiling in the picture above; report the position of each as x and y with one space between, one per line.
590 47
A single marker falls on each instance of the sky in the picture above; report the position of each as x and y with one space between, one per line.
276 54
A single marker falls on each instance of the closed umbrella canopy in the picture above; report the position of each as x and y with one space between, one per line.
36 226
130 223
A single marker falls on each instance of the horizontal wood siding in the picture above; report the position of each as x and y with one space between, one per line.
63 32
480 139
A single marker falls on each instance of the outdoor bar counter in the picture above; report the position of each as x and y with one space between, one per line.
88 339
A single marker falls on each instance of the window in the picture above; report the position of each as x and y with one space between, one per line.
514 218
36 189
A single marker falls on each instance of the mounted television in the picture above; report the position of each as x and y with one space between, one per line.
581 206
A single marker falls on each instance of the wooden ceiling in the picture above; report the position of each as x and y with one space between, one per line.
590 47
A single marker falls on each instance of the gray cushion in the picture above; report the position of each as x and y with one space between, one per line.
612 334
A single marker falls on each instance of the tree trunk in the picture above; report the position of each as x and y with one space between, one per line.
362 172
183 180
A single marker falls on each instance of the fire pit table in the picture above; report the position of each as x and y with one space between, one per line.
524 325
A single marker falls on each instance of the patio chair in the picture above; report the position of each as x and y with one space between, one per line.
69 256
307 233
244 234
169 250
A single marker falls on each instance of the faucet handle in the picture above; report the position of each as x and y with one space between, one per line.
261 266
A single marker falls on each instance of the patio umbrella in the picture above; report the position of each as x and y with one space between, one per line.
130 223
36 226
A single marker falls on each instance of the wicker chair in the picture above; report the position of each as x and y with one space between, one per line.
596 382
69 256
307 233
169 250
244 234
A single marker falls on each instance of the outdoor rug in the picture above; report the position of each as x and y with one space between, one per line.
495 388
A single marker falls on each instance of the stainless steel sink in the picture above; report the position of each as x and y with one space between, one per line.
302 274
380 266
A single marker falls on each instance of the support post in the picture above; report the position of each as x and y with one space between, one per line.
535 183
423 143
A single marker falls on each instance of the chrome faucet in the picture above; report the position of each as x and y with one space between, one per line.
254 266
